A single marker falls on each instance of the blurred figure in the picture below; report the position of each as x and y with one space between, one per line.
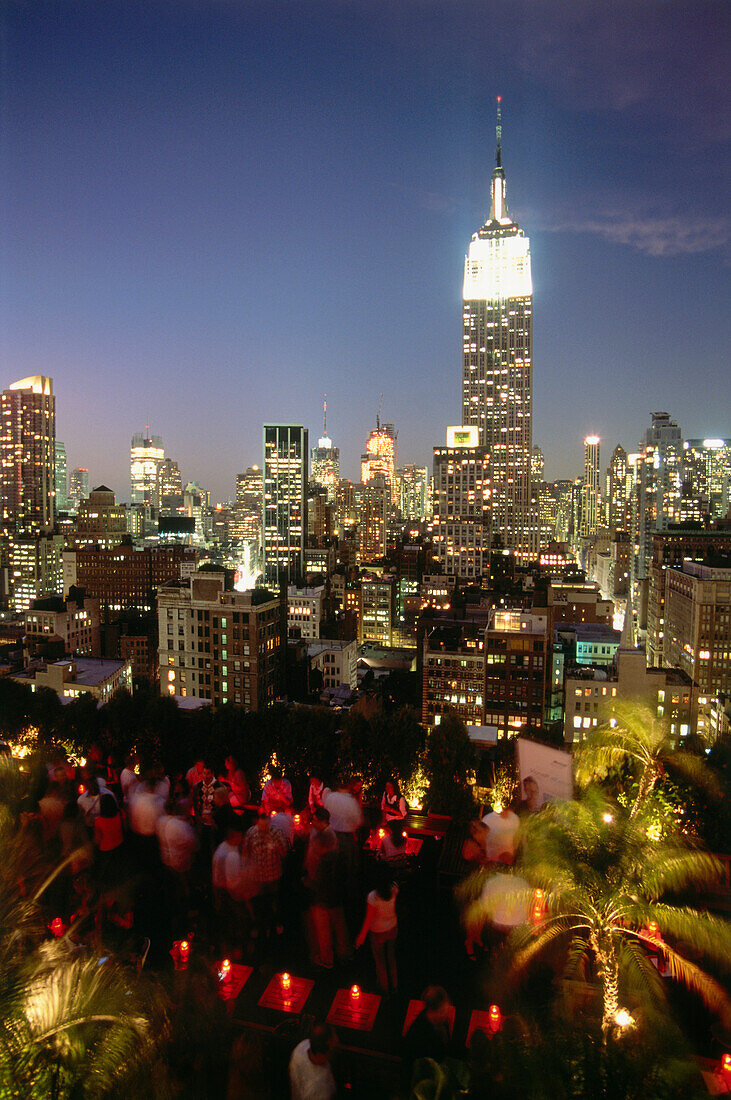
381 923
392 849
393 804
430 1035
502 835
266 849
195 774
89 801
316 793
277 792
474 849
129 778
235 780
310 1075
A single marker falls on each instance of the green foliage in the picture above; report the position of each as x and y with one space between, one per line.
603 883
449 763
68 1025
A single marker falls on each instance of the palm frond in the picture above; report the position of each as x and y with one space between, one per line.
707 988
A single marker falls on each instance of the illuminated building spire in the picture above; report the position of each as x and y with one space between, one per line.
324 414
498 202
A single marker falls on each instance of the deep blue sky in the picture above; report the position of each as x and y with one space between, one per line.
213 212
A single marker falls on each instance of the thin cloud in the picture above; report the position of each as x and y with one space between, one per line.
668 235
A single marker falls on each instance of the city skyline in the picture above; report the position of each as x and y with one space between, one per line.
172 175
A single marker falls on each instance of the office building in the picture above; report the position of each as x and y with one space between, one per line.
380 458
593 696
27 456
145 459
706 478
697 636
660 484
286 454
325 459
497 364
73 624
375 502
462 504
71 678
670 550
78 485
124 578
305 611
35 567
218 644
336 660
100 521
618 491
590 494
413 483
61 478
377 608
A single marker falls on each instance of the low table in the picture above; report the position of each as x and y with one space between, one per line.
230 987
358 1013
290 999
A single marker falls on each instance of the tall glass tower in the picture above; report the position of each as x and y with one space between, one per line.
497 363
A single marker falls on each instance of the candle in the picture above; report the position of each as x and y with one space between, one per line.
381 833
225 971
355 992
494 1017
286 980
296 819
57 927
726 1063
184 949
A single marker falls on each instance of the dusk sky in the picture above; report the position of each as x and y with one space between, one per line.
214 212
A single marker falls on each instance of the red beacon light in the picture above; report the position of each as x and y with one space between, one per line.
355 992
495 1018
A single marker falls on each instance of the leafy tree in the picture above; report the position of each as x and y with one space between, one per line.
69 1026
604 884
449 762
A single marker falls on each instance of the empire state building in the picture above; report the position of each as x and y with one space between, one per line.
497 363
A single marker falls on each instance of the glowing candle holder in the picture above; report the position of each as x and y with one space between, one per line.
80 788
381 834
495 1018
57 927
726 1064
184 951
225 972
403 834
286 981
355 992
297 819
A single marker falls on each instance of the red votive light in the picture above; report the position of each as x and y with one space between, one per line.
726 1063
57 927
225 969
381 833
653 929
184 949
80 788
495 1018
296 819
355 992
286 980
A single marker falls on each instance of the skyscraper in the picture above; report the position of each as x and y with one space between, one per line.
497 363
325 470
145 458
285 502
61 477
660 482
27 456
79 485
380 457
590 494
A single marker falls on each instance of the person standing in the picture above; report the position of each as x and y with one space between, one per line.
346 818
381 923
393 803
266 849
502 835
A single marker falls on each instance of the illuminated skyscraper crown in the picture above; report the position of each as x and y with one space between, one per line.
497 265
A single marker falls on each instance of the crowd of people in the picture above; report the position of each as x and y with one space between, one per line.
204 854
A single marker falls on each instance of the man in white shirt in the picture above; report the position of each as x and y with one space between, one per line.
310 1075
502 835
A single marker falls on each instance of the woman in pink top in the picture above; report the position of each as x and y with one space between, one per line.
382 924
